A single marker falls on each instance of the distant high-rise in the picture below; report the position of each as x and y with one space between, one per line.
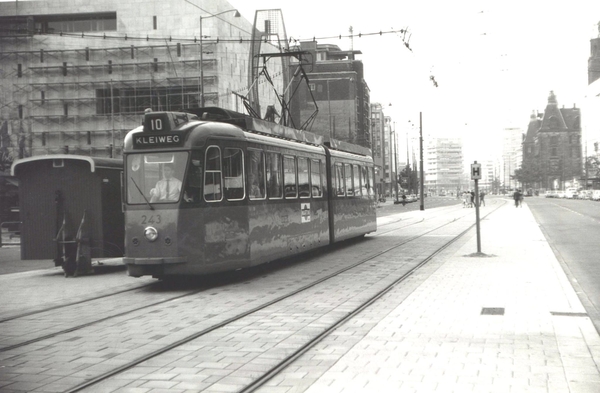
443 165
512 153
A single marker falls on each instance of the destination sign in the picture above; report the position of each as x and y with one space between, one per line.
149 141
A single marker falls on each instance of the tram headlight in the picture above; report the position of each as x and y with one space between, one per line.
151 233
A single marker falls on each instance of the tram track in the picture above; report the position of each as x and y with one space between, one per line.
69 304
282 364
291 358
240 315
385 232
89 301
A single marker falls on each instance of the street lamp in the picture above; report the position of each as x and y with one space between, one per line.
422 206
396 163
237 15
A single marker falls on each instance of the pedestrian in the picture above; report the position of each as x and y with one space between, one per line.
521 198
481 200
403 199
517 197
472 193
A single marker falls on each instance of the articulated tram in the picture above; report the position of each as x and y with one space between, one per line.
216 190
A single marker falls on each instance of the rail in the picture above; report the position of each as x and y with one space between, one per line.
10 233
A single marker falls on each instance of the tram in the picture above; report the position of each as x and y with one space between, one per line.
216 190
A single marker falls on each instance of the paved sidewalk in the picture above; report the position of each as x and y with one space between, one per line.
536 337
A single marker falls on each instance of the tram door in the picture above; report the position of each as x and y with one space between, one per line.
214 222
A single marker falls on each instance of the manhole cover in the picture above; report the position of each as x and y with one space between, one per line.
492 311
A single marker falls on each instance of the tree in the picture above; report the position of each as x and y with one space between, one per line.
529 174
592 167
496 184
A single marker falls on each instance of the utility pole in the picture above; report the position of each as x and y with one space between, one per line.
476 175
422 206
396 164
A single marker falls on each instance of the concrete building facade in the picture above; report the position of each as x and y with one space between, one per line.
378 145
338 94
77 75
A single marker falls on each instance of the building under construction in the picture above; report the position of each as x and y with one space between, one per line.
76 75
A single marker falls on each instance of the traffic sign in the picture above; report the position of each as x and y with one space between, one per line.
475 171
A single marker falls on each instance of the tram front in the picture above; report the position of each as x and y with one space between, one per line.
155 160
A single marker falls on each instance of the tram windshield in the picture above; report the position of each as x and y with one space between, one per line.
155 177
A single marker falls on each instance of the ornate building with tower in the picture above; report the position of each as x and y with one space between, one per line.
552 147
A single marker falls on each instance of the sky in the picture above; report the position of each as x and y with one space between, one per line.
495 61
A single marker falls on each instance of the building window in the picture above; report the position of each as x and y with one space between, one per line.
136 100
75 23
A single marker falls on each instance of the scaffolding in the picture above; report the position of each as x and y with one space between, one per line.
84 100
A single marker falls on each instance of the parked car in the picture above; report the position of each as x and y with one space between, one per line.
585 194
596 195
571 193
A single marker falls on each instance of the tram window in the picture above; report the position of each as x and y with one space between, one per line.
315 175
371 173
193 187
212 176
348 179
155 177
323 178
233 172
303 178
339 180
159 158
289 177
256 174
365 187
356 173
274 175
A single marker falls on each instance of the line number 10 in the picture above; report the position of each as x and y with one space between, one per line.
156 124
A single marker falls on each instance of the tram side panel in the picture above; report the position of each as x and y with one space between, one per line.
352 200
215 237
287 209
286 228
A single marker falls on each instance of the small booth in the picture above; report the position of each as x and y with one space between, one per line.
70 209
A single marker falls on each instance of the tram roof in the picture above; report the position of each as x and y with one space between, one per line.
252 124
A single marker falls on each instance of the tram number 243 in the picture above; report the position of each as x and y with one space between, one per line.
153 219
